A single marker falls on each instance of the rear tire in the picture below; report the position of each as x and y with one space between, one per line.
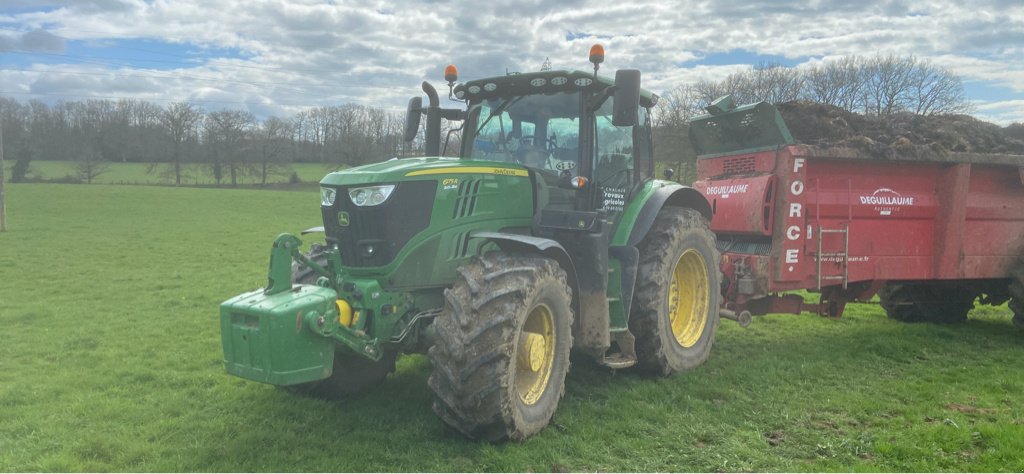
923 302
352 373
502 350
675 311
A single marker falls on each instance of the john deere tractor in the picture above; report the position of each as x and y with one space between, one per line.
548 233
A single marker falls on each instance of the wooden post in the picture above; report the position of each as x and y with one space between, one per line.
3 178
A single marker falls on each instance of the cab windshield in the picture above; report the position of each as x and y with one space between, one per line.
538 131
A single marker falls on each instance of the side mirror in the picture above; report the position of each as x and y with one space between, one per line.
627 97
412 118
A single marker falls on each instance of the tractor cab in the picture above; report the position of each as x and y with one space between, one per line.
575 131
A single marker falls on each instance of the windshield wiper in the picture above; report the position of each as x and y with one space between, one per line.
498 110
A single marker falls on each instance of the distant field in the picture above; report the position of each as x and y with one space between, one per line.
110 360
136 173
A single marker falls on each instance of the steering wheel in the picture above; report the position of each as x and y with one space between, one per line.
531 140
532 156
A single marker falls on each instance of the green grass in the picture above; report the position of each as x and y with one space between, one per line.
136 173
110 360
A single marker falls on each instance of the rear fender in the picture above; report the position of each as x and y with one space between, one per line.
667 195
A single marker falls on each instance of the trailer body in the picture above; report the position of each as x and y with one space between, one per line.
844 223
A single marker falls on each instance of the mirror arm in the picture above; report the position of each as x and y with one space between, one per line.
598 100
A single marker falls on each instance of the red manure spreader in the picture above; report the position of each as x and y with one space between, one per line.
928 230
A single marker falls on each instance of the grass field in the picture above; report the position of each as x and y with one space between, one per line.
137 173
110 360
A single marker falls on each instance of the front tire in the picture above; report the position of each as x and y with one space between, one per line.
502 350
352 373
675 310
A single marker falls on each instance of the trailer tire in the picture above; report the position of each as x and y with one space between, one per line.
1016 289
896 304
674 315
352 373
502 349
922 302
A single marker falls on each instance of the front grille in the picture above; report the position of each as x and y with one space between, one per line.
465 203
375 234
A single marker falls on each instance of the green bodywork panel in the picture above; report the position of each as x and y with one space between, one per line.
617 317
744 129
632 210
503 199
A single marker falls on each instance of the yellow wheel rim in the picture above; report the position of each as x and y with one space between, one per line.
535 354
688 298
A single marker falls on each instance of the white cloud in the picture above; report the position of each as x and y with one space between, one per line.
1002 112
377 51
33 41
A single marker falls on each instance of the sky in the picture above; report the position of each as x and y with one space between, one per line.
276 57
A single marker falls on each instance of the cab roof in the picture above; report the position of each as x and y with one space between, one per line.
542 81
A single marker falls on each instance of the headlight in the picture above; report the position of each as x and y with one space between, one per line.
370 195
327 196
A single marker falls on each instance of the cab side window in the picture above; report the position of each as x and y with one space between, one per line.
613 165
643 145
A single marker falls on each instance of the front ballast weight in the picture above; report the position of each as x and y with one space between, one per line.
287 334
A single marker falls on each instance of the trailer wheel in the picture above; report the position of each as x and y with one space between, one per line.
1017 294
914 303
675 309
502 349
352 373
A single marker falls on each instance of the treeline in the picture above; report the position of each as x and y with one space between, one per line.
877 85
181 140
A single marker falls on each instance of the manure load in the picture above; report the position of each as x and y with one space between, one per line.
927 212
901 136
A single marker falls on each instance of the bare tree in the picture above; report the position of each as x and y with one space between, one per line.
838 82
879 85
888 83
271 141
708 90
90 165
775 83
180 121
230 130
671 128
936 90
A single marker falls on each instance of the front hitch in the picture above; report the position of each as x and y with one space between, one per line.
282 253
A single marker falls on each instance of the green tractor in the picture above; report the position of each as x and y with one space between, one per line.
548 233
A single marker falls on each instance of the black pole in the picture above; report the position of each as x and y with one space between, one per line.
432 134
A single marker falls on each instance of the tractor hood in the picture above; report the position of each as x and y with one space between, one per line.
404 169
